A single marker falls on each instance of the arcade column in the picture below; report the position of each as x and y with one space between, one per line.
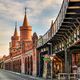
34 62
23 64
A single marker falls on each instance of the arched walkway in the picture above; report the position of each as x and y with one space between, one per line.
17 65
26 65
31 62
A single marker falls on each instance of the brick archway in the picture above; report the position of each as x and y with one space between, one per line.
31 63
26 65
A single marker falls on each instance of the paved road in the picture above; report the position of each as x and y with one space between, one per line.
9 75
6 75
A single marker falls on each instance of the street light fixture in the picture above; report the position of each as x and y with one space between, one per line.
50 44
51 57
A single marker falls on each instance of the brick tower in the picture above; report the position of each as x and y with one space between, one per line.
14 38
25 30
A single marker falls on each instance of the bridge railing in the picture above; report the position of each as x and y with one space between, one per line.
40 42
56 25
69 76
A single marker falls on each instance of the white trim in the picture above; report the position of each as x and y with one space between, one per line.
8 60
29 52
17 57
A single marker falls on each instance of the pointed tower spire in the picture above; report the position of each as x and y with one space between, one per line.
25 30
25 11
51 23
15 32
25 22
15 37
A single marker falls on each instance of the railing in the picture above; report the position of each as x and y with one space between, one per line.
56 26
69 76
40 42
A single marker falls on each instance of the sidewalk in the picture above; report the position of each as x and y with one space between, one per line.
29 76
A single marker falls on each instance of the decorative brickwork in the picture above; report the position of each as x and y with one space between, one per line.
22 49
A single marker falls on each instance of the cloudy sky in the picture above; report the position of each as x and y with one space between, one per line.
40 13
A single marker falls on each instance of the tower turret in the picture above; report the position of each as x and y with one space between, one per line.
35 38
25 30
15 37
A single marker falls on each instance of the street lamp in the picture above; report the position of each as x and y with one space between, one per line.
51 57
50 44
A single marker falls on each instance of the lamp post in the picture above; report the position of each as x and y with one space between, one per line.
50 44
51 58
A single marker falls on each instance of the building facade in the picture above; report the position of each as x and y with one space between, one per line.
22 56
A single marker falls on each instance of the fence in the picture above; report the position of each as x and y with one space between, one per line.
69 76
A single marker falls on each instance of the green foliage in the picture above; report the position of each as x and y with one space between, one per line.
46 59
